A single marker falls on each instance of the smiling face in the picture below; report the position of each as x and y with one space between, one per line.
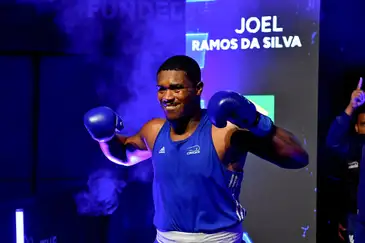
178 96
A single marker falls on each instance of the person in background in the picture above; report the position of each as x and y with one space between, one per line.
349 145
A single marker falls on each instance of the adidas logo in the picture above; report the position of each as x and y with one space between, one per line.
162 150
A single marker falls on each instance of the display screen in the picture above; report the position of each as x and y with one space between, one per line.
268 52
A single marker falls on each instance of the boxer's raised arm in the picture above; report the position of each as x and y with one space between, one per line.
103 124
280 148
127 151
338 137
264 139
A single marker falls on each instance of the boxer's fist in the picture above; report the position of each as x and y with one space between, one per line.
230 106
357 96
102 123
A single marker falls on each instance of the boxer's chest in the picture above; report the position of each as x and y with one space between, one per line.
190 157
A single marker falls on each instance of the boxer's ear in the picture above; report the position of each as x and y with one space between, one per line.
199 88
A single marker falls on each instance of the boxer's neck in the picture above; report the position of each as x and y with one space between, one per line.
186 124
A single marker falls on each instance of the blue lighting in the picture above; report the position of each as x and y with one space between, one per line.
246 238
199 1
199 56
19 226
202 104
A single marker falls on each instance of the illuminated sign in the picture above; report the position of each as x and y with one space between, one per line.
265 104
198 56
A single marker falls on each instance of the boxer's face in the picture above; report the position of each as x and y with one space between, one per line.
177 95
360 124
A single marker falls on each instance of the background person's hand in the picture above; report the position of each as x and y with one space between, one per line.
357 99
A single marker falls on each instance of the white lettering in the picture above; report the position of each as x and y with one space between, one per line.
296 42
138 10
281 42
193 152
275 27
250 43
210 45
214 44
256 25
266 24
195 44
287 40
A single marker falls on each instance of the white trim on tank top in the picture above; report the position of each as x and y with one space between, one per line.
232 235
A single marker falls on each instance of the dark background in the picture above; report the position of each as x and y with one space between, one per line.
59 59
341 63
48 81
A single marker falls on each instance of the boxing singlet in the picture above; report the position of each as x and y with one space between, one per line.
193 191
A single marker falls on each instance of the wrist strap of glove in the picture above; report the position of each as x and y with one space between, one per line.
263 126
118 124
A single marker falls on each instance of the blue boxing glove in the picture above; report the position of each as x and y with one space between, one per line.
230 106
102 123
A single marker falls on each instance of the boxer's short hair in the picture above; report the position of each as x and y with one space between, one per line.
360 110
185 64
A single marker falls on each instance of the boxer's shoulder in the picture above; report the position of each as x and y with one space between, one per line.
222 138
151 129
225 134
155 123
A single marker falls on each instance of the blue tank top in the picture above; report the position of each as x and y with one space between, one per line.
192 190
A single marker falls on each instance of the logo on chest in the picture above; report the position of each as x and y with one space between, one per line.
193 150
353 165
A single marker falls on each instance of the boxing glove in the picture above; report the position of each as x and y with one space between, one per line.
230 106
102 123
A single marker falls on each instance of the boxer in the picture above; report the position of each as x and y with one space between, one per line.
198 155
